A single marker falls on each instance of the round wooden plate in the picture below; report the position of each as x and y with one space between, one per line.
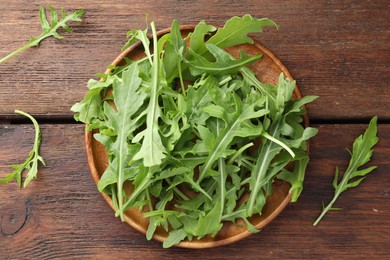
267 70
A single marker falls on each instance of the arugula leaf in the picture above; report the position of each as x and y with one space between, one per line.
142 36
152 150
197 43
267 153
174 237
295 178
128 100
31 162
210 223
198 96
362 150
49 29
224 64
236 29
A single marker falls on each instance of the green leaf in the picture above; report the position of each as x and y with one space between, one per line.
142 36
109 176
197 37
250 78
49 29
296 177
152 150
169 173
32 161
174 237
241 214
236 31
210 223
198 96
362 150
224 64
176 38
308 133
44 22
156 221
128 100
89 108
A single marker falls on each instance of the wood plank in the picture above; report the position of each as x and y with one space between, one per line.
339 50
61 214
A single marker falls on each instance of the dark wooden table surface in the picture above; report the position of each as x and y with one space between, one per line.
339 50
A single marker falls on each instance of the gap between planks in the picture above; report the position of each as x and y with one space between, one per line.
70 120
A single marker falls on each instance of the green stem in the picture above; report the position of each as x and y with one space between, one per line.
325 210
178 191
28 45
37 130
239 152
230 215
150 205
338 191
273 139
183 90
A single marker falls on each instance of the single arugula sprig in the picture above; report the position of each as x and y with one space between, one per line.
32 161
361 153
49 28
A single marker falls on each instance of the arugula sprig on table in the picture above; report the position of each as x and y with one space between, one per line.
362 150
32 161
49 28
179 124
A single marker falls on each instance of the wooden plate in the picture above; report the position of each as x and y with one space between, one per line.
267 70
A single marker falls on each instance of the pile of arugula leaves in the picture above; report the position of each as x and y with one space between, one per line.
180 123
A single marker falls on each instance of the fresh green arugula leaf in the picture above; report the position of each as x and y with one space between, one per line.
224 64
174 237
236 29
152 150
197 43
32 161
295 178
128 99
362 150
142 36
49 29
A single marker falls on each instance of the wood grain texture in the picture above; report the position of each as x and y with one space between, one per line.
61 214
338 50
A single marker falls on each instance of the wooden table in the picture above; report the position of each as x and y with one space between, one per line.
338 50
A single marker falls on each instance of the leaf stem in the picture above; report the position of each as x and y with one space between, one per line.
183 90
34 156
26 46
36 126
239 152
326 209
48 29
178 191
273 139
